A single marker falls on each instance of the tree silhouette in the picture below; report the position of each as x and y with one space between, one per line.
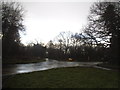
64 41
112 24
12 17
104 25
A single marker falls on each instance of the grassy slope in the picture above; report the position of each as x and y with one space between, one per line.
74 77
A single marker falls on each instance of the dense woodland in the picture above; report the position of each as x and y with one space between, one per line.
98 40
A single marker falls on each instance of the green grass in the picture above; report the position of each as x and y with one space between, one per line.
74 77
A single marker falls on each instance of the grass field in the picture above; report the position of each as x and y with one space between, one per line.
73 77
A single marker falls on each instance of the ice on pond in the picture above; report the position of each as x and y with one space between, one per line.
48 64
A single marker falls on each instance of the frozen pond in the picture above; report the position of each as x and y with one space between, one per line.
48 64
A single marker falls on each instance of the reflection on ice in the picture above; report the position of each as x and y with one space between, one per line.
48 64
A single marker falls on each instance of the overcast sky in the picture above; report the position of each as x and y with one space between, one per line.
45 20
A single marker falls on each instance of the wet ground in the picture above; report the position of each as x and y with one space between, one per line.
48 64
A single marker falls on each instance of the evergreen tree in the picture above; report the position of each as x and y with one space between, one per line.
12 17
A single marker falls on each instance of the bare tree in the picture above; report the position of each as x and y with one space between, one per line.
104 16
64 40
104 25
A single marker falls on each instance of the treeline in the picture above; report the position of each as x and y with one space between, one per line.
67 45
34 51
97 42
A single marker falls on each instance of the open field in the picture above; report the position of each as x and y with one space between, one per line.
73 77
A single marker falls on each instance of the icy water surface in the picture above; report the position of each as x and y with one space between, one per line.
48 64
